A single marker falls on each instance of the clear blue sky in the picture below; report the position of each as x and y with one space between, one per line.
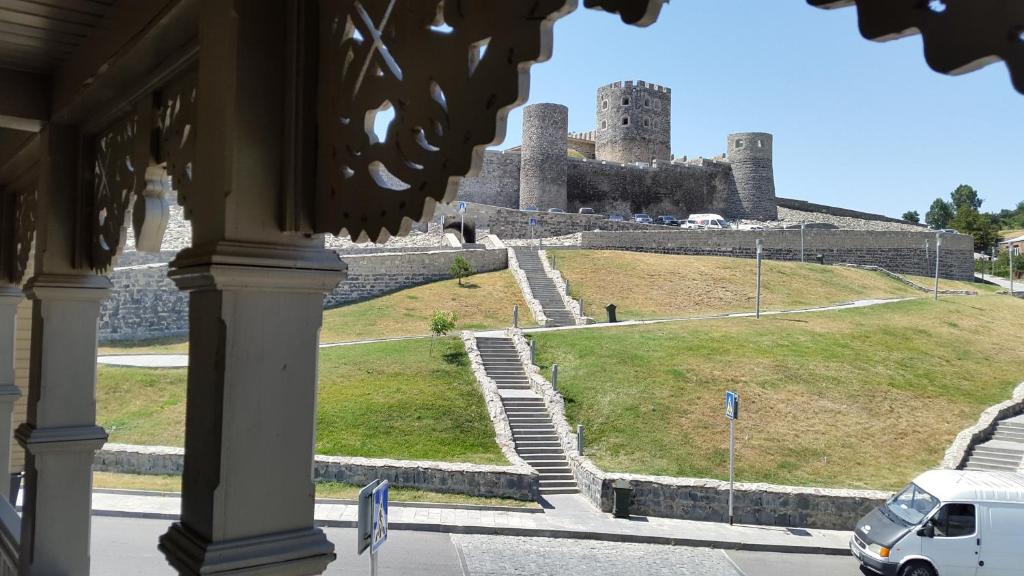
858 124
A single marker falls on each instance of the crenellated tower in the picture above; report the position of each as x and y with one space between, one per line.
634 122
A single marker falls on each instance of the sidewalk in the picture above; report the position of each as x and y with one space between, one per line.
1018 285
564 516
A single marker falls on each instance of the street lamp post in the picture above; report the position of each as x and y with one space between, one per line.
938 247
757 313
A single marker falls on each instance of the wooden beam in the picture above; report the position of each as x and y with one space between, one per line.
18 154
133 41
23 100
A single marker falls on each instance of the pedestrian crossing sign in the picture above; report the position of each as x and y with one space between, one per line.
732 406
379 528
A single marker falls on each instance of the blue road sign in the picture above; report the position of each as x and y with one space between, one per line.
732 406
533 221
379 529
462 207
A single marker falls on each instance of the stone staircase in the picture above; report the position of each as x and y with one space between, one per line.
1004 452
543 288
532 429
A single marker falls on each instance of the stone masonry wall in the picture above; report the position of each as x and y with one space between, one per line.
374 275
497 184
508 224
901 252
145 304
518 481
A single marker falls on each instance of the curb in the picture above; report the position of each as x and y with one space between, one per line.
544 533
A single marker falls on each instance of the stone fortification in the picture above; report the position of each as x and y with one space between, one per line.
750 155
625 164
634 122
839 216
901 252
544 156
510 224
145 304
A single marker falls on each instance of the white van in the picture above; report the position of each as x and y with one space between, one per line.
709 221
948 523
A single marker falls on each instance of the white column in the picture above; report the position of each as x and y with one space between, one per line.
10 297
60 434
255 310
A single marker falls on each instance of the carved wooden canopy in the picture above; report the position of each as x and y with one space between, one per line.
959 35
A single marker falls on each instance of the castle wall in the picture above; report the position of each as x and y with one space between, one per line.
545 148
507 224
901 252
497 184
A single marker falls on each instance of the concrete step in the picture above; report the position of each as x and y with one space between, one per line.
988 449
547 451
514 387
556 477
524 444
557 484
990 467
559 491
985 459
550 464
528 420
522 402
1004 434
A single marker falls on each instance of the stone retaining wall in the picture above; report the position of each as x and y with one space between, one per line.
373 275
508 223
698 498
901 252
145 304
518 482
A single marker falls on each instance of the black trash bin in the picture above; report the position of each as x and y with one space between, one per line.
623 494
611 313
820 258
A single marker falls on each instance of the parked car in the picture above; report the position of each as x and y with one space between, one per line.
616 218
529 209
689 224
556 211
587 211
666 220
643 219
709 221
946 522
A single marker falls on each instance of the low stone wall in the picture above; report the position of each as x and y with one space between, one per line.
698 498
908 282
957 454
805 206
145 304
508 223
518 482
373 275
901 252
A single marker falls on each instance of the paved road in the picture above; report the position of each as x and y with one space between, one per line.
127 546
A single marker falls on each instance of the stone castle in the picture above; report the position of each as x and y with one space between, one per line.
625 164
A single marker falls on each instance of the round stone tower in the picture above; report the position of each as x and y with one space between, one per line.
750 154
542 171
634 122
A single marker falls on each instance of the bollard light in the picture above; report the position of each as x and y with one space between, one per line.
515 315
579 438
554 376
533 351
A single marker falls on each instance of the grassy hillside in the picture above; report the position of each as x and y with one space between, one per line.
392 399
483 301
645 286
855 398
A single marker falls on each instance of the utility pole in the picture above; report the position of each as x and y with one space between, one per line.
757 313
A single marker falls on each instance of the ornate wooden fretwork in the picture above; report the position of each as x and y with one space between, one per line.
958 35
637 12
118 176
177 125
17 232
447 70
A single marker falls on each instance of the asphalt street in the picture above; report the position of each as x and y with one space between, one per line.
127 547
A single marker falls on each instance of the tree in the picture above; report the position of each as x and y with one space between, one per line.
461 269
969 221
965 196
939 214
912 216
441 323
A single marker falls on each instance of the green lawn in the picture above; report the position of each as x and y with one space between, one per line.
672 286
389 400
483 301
162 483
862 398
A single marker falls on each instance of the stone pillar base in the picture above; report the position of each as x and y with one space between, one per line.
295 553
